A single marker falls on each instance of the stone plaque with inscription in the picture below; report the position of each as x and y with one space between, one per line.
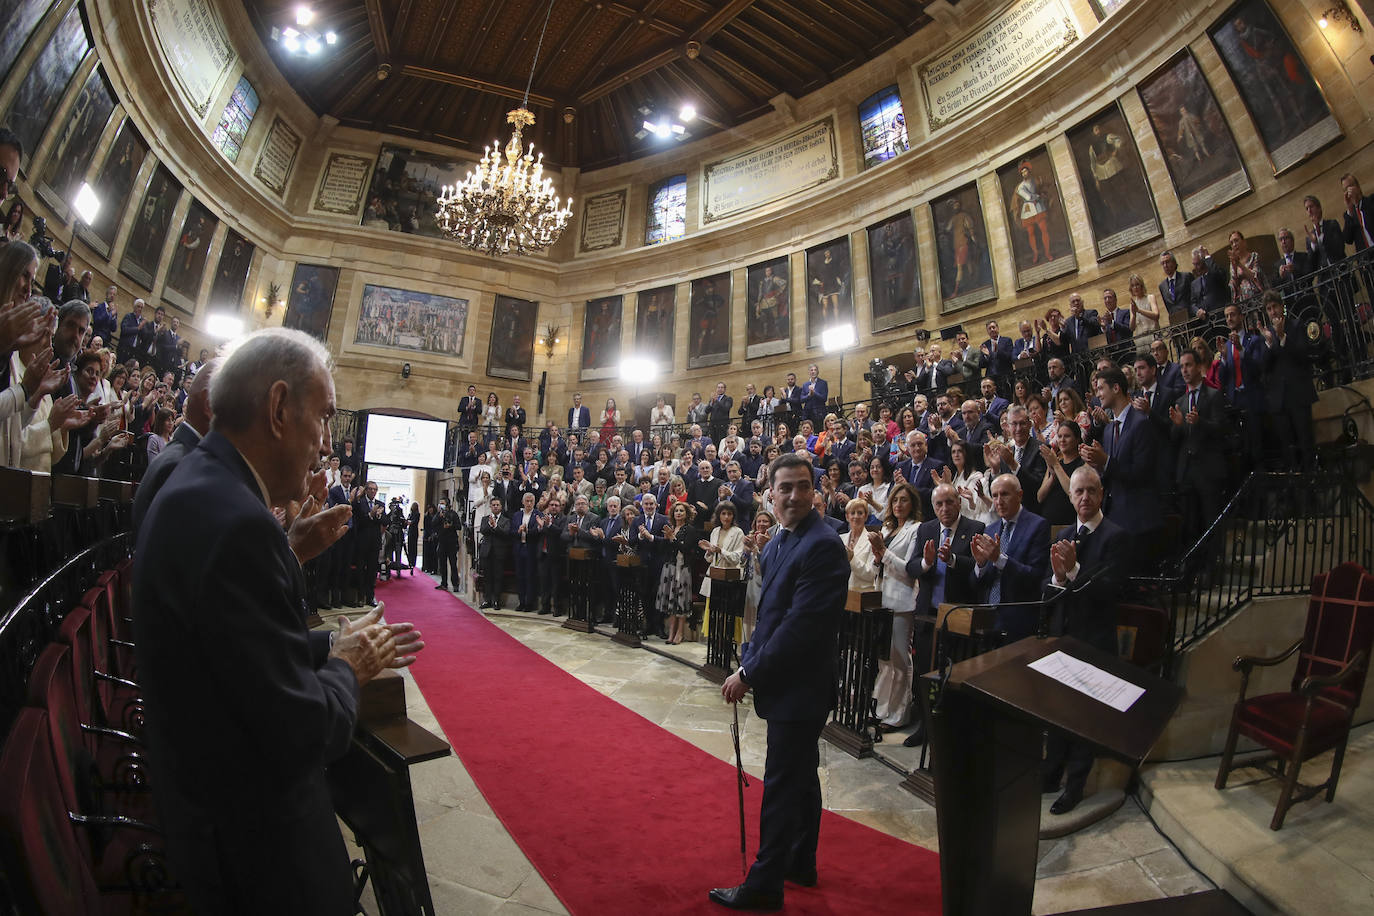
342 182
277 157
1016 41
800 160
603 221
198 52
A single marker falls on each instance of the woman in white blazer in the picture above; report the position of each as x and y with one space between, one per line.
893 687
724 550
863 565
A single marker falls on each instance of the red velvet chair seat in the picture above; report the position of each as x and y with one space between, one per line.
1274 718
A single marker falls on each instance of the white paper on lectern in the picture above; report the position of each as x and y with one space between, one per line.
1089 679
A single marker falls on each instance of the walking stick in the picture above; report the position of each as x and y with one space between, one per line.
740 782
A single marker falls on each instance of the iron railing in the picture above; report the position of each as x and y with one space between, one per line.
1277 532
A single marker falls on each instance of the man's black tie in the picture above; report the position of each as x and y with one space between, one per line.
1083 532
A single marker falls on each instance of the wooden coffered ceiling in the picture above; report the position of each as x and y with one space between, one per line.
457 66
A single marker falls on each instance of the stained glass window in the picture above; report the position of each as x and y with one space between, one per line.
667 211
233 124
883 125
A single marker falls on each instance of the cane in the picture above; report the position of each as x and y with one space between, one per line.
740 782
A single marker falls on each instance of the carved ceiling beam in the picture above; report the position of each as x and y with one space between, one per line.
472 82
377 25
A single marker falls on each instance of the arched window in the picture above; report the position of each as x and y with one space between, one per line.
883 125
233 124
667 218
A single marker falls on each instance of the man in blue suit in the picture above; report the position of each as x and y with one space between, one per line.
648 540
1127 458
917 469
1081 326
995 354
790 666
815 393
996 403
579 417
1012 558
221 626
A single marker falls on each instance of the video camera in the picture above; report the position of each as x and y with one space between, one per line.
42 242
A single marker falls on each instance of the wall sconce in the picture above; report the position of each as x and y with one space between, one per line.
273 298
405 371
1340 13
550 339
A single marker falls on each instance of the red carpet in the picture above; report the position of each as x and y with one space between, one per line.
617 814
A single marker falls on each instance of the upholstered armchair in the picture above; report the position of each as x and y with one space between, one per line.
1315 715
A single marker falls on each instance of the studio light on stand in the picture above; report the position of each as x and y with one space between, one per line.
638 369
223 327
839 338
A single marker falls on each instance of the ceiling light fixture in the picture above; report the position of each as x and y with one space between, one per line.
304 15
687 114
506 207
302 38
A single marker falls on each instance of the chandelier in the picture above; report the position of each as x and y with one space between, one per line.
505 205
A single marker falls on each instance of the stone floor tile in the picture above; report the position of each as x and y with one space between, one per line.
1107 885
450 897
475 851
535 892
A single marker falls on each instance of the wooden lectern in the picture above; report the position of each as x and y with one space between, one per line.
986 737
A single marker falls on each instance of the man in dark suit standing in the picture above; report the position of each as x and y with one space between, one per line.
647 538
1288 384
815 394
1293 270
1088 563
1081 326
1176 289
1358 228
790 666
469 409
1211 289
1023 457
789 402
1325 239
749 407
526 541
1127 459
1012 559
1243 358
553 556
918 470
995 402
1166 370
718 413
579 417
340 553
195 424
942 562
740 491
1197 430
450 529
492 550
995 353
369 517
246 707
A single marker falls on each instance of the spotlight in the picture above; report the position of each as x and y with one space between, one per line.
840 337
687 114
225 327
312 46
330 38
662 129
679 129
87 204
304 15
638 368
291 43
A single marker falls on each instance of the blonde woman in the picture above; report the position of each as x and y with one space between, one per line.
863 566
893 687
1144 305
724 550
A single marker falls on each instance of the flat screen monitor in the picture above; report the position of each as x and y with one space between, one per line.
404 441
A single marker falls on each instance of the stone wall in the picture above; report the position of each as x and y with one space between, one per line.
1102 67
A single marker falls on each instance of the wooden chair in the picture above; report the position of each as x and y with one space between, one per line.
1316 713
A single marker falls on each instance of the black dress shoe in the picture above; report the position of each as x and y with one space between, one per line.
1067 802
916 738
745 898
803 877
441 586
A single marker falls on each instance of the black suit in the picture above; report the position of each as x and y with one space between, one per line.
183 440
718 415
526 546
1030 473
1200 460
748 410
1298 279
245 706
1087 610
1211 290
1329 247
367 545
491 555
790 665
553 563
449 526
1288 386
955 582
1025 562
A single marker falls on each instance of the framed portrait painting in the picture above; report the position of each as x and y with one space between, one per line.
1284 101
67 164
510 350
1121 207
601 337
655 313
894 272
311 299
829 288
231 274
961 249
709 344
114 185
1201 155
768 323
1038 229
188 257
151 223
45 82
